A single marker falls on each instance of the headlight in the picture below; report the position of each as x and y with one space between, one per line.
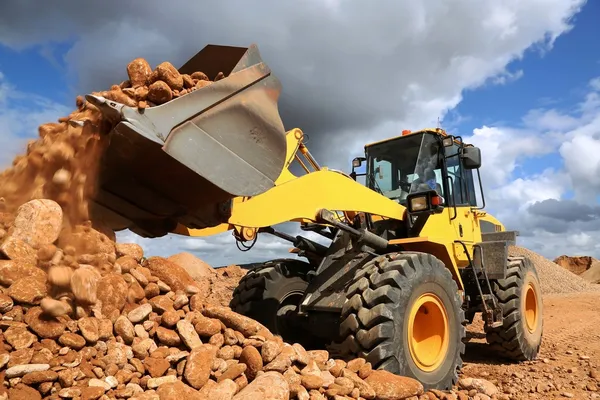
418 204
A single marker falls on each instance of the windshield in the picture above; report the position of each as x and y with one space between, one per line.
405 165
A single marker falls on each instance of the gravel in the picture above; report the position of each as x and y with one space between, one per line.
554 278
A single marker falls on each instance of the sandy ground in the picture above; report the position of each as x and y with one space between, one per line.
568 366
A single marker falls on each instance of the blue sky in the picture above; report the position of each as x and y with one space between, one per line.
487 71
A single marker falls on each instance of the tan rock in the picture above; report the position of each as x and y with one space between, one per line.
232 372
23 392
13 270
60 276
168 336
91 392
126 263
16 249
6 303
84 284
19 337
194 266
364 388
172 274
124 328
269 350
140 313
153 383
89 328
139 72
72 340
253 360
37 377
198 365
188 334
176 390
55 308
112 292
267 386
20 370
161 304
481 385
243 324
156 366
167 73
132 250
28 291
38 222
44 326
207 327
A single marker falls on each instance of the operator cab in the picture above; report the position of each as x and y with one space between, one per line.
422 161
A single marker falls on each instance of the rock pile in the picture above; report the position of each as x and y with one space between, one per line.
145 329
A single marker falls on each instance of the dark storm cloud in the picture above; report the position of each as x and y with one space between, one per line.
345 66
565 210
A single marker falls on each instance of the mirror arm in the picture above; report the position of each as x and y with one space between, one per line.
481 190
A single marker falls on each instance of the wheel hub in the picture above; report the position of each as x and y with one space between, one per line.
531 309
428 332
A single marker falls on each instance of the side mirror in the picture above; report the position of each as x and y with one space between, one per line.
471 157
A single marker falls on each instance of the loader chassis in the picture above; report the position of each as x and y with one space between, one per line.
388 297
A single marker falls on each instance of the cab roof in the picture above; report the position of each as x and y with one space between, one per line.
435 131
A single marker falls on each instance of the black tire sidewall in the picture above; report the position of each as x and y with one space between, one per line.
430 279
275 294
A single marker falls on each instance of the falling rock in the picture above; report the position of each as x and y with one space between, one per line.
38 222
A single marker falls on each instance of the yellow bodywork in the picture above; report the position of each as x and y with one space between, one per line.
299 199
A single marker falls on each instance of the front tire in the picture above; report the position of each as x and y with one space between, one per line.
520 297
403 314
268 292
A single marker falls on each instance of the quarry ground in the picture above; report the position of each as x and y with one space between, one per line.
568 366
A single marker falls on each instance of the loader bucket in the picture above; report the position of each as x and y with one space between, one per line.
185 160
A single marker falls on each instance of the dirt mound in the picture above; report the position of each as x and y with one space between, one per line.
586 267
576 265
554 278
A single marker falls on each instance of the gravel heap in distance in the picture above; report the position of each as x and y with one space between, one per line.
554 279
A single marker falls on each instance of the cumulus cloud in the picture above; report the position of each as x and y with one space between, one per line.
556 210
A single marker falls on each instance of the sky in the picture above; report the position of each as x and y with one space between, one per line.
518 78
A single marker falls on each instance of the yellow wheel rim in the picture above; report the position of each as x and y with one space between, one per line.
531 308
428 332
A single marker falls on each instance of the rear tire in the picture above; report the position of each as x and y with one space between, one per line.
520 296
403 314
271 290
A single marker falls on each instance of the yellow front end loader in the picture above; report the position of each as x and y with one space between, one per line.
411 257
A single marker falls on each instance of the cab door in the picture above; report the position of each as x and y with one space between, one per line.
459 203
